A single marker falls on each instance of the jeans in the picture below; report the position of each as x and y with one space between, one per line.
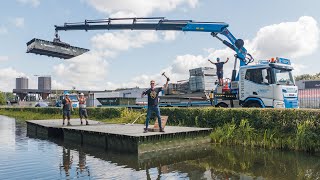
83 113
155 109
66 113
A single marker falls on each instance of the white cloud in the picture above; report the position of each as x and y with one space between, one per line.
121 41
18 22
121 14
287 39
8 79
298 68
84 72
170 35
33 3
57 85
109 44
139 7
3 30
4 58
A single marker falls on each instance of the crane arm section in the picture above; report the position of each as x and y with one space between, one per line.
162 24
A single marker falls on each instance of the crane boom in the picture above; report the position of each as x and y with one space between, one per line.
157 24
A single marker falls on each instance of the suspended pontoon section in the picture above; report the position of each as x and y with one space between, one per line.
54 49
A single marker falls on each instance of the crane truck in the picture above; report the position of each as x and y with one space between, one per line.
267 84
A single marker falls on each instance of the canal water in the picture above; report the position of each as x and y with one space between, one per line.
22 157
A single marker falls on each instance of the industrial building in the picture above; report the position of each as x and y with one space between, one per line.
22 88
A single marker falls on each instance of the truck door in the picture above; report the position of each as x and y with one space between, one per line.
258 84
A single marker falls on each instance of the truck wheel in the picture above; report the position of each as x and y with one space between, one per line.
254 104
223 105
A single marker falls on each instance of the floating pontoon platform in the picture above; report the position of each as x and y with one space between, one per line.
119 137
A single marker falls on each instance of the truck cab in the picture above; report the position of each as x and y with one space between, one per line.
269 83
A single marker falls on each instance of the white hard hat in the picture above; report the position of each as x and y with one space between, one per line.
81 94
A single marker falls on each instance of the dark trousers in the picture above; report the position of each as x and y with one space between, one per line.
155 109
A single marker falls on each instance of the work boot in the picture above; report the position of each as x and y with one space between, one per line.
81 123
69 124
161 130
87 123
145 130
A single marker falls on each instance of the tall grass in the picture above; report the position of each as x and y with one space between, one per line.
304 138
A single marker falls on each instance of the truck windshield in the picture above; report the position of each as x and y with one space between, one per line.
283 77
72 98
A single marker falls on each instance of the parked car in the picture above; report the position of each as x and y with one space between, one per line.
41 104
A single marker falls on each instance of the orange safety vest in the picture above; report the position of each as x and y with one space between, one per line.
82 100
68 101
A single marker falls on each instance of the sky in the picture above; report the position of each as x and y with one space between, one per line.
124 59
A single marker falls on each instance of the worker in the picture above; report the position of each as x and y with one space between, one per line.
66 109
211 97
82 108
153 103
219 66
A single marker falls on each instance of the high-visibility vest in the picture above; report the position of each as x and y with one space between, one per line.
82 100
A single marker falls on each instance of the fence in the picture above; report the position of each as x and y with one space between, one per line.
309 98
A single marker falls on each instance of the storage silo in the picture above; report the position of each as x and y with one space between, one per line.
22 83
44 83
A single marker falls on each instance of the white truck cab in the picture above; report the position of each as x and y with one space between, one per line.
266 84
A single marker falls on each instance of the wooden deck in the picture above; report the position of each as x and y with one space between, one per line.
119 137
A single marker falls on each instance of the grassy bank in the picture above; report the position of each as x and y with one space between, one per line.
296 129
110 115
304 137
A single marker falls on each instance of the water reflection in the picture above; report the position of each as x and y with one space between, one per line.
82 163
67 160
31 158
212 162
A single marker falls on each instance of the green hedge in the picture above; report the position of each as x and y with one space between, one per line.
285 120
53 113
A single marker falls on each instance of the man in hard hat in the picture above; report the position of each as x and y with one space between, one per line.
67 107
82 108
153 102
219 66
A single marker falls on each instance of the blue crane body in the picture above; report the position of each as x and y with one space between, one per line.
279 91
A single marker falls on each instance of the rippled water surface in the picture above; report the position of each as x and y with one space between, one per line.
22 157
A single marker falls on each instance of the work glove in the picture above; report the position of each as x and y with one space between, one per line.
168 79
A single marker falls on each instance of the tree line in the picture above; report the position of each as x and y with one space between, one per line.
308 77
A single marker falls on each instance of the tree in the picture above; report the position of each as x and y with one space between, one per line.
308 77
2 98
73 90
10 96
